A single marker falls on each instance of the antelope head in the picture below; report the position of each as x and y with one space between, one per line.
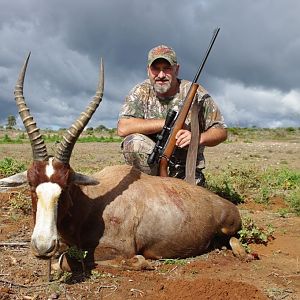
49 177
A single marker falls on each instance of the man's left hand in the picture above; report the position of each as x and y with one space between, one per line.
183 138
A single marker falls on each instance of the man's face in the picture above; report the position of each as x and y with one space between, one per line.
163 76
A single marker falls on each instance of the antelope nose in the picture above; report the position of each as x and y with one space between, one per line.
41 249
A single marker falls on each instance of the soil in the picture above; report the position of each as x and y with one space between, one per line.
274 273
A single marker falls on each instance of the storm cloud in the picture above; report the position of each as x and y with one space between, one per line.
252 71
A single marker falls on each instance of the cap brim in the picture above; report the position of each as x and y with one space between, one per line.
150 62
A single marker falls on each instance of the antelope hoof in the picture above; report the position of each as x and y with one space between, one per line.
237 248
138 262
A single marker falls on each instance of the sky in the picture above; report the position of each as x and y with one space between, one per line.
253 71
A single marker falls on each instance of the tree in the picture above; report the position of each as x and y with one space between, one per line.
11 122
101 128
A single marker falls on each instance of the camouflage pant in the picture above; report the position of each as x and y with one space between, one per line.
137 147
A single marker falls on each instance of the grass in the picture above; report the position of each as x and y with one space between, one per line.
174 261
101 139
252 234
76 253
20 202
14 136
6 139
247 135
10 166
57 138
253 183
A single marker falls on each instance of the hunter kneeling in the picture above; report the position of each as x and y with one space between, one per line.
145 110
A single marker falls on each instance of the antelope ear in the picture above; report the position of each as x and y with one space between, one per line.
13 181
82 179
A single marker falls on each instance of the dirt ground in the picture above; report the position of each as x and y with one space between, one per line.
215 275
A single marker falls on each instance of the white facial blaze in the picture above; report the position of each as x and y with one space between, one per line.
45 231
49 168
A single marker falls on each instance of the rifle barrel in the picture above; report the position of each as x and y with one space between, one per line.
216 31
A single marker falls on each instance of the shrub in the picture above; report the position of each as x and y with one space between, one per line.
10 166
252 234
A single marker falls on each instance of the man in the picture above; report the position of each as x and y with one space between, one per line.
145 109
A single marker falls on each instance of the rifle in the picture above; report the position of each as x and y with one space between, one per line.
166 141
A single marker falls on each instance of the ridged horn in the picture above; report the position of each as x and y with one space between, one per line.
65 148
39 150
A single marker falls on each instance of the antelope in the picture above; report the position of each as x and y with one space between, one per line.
119 211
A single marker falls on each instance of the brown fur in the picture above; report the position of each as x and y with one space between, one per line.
130 213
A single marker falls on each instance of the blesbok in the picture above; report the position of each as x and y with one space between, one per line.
119 212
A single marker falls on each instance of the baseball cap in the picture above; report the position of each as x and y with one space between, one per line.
164 52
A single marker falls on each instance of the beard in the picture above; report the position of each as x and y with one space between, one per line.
162 88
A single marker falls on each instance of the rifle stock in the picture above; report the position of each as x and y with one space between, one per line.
178 124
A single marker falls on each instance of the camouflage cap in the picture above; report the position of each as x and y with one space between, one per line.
164 52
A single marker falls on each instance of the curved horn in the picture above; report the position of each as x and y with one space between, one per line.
38 146
66 146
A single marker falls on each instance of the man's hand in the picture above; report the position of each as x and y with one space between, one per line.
183 138
210 138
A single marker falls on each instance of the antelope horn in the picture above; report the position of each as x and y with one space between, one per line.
39 150
66 146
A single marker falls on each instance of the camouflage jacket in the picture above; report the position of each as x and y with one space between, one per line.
143 103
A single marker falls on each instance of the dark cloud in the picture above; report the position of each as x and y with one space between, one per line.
252 71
